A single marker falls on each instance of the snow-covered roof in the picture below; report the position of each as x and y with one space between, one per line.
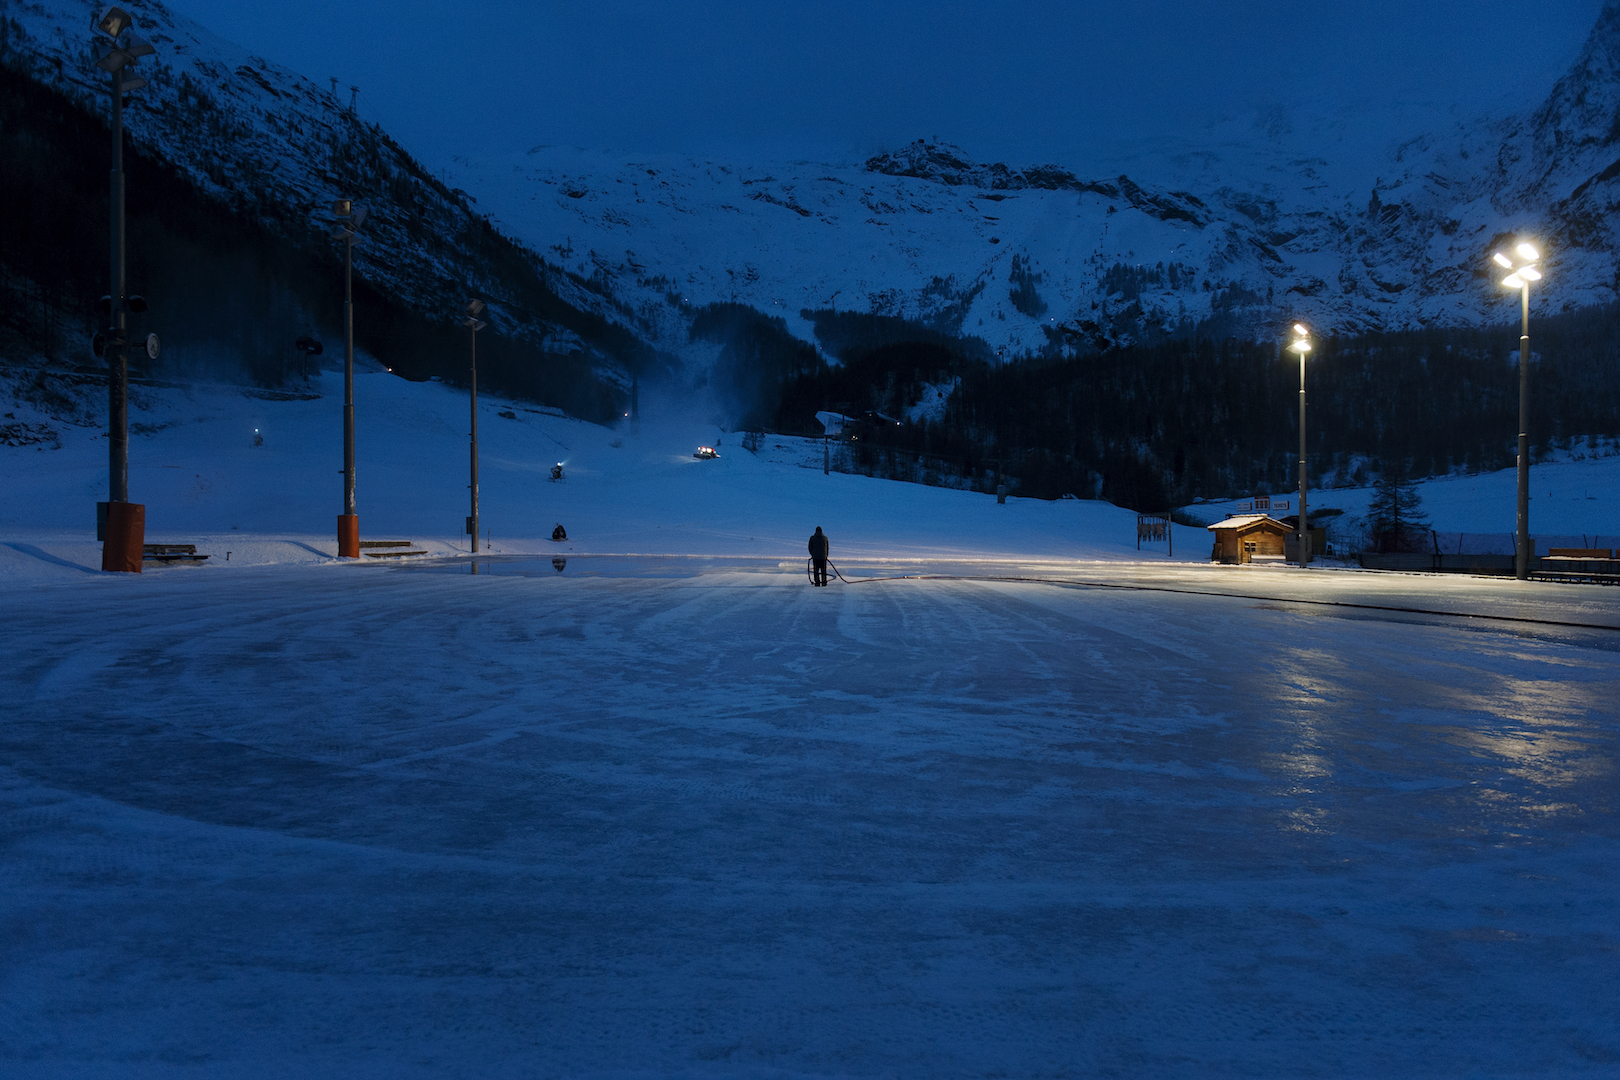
1243 521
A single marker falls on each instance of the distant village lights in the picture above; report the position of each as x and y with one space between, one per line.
1522 271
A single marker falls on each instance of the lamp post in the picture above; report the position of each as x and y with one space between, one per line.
350 217
1521 272
1302 345
474 307
125 529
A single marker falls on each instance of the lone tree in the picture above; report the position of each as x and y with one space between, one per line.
1395 514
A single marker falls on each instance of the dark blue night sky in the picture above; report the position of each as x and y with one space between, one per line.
1030 81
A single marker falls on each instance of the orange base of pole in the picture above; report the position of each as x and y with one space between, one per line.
348 536
126 537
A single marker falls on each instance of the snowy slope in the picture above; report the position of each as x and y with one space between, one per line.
193 462
1572 504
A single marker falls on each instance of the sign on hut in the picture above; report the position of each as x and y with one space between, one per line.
1248 537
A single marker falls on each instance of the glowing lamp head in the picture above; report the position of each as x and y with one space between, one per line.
1503 261
1526 251
1530 273
114 21
1300 329
1513 281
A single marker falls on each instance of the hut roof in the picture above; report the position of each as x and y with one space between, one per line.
1249 521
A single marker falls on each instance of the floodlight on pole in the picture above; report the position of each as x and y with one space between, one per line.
123 528
113 21
1524 269
349 218
473 324
1302 345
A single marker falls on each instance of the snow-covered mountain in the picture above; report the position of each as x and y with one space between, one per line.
1240 236
278 149
1252 235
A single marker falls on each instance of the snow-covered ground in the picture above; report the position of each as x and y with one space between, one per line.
682 815
203 480
1572 504
195 465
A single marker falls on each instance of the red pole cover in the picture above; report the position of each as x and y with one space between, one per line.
348 536
126 537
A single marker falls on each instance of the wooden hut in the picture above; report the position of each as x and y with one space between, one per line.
1245 537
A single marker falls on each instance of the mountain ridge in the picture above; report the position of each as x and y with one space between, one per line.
916 230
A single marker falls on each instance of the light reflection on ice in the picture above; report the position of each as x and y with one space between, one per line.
919 827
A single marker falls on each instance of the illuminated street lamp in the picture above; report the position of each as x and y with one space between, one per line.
1523 268
350 217
1302 345
124 532
475 307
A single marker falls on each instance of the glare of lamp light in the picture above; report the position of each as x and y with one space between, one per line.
1528 252
1301 346
1531 273
1503 260
1513 281
1300 330
114 21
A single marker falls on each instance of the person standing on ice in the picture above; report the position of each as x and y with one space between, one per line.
818 557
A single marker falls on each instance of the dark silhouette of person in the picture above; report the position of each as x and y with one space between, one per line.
818 557
559 534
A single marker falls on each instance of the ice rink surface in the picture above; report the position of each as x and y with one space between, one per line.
647 818
1034 804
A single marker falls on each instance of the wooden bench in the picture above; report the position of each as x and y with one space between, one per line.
1595 565
168 553
389 554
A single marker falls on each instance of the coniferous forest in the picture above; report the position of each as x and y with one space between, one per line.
1159 425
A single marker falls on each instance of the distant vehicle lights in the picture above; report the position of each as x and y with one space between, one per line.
704 453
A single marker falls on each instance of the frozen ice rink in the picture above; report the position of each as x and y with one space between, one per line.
690 817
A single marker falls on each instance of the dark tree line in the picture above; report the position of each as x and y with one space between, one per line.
1156 425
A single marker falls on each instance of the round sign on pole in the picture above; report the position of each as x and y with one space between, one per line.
152 346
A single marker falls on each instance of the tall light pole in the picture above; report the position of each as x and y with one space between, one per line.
474 307
350 217
1302 345
125 530
1522 271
